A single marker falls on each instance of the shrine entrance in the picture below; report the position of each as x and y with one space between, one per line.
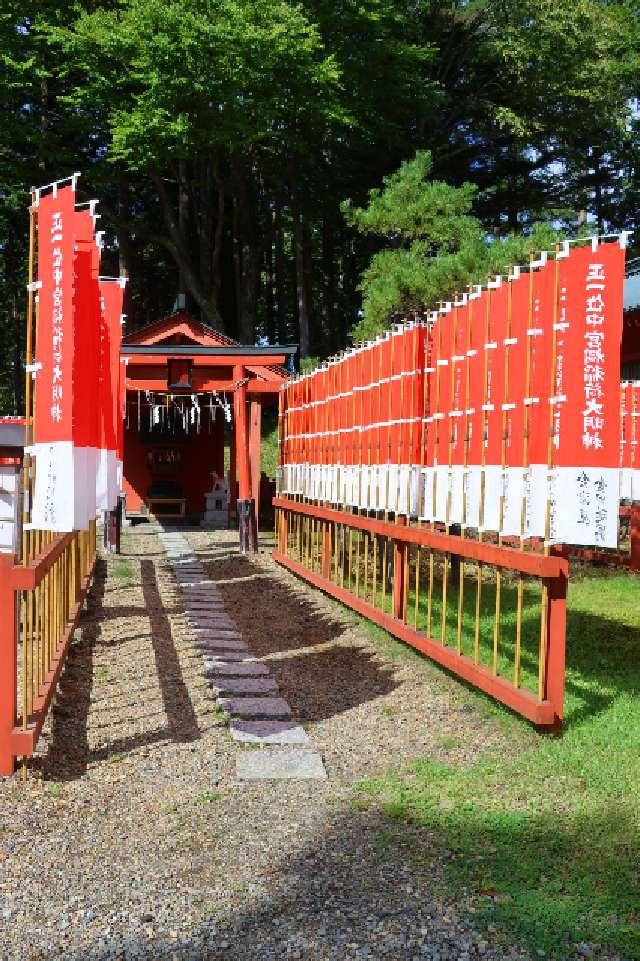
188 393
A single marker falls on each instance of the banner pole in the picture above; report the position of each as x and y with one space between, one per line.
386 500
483 464
413 385
544 620
465 459
503 466
423 441
447 515
434 482
378 465
525 467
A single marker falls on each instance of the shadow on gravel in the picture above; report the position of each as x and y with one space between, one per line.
369 887
278 619
181 717
362 888
68 753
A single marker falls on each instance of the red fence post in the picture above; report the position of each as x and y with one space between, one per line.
326 550
399 586
556 646
635 537
8 665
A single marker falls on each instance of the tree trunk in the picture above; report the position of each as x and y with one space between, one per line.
183 226
176 246
328 281
280 273
302 277
269 300
245 258
124 240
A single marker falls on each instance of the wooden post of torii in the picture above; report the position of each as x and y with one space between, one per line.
246 506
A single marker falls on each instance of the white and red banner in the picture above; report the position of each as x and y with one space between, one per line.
86 363
109 392
500 413
78 396
54 503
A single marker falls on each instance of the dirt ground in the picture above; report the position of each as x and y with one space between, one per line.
131 837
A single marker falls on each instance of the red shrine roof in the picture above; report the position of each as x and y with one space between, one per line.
179 332
178 328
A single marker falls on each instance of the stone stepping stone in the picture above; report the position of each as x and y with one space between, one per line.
268 732
255 706
280 764
206 592
212 627
222 644
197 587
191 586
227 657
211 613
212 623
199 611
244 685
239 669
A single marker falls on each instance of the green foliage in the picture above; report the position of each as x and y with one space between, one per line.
184 77
222 136
544 842
437 246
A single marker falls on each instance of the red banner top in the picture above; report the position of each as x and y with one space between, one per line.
55 318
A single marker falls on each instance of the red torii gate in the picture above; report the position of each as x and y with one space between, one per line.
177 355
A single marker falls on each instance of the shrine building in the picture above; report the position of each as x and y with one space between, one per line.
187 388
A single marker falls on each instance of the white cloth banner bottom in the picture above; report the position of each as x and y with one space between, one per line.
55 495
512 501
107 486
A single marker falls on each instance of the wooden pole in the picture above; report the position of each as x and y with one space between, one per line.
8 659
246 510
255 437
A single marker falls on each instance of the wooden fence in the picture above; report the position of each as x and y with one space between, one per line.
40 604
493 615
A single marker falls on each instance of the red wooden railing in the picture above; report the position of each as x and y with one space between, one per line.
40 604
310 542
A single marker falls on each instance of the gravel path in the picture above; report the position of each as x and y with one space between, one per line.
132 837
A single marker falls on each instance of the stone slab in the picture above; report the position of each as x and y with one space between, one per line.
244 685
240 669
206 593
202 618
198 606
221 644
198 626
255 706
226 657
268 732
280 764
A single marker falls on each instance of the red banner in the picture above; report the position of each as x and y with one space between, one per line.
54 499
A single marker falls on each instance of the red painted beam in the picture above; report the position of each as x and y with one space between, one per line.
242 435
28 578
540 713
207 360
200 383
536 565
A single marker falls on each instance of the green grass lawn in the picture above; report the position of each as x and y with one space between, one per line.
543 831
